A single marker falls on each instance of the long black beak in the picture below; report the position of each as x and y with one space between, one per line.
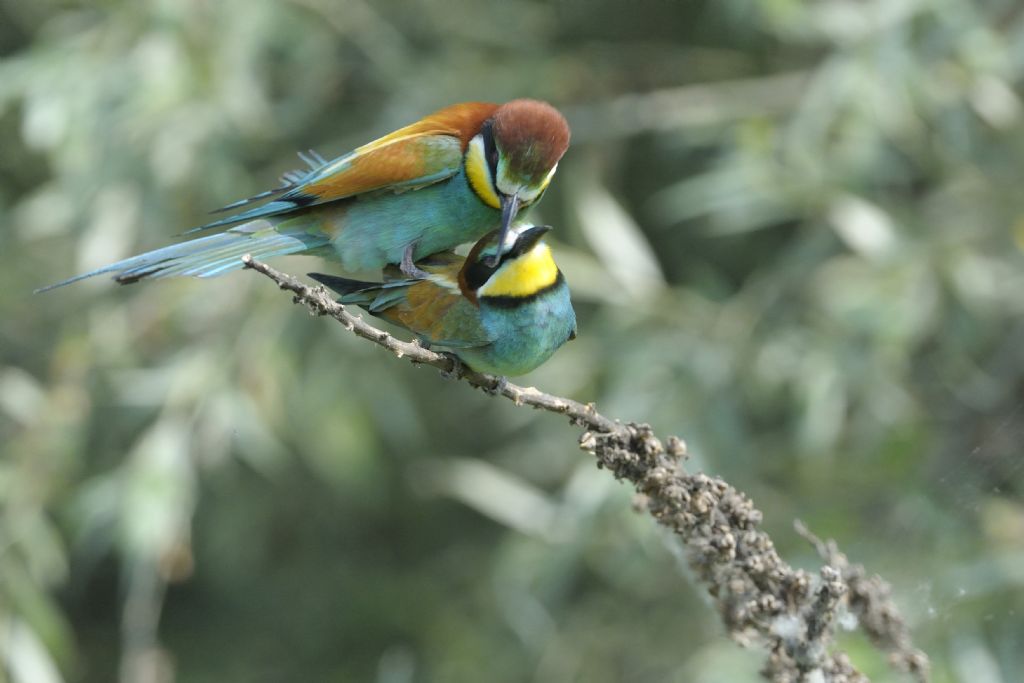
509 209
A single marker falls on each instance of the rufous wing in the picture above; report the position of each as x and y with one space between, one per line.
439 314
419 154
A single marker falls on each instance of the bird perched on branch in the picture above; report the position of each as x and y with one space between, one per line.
503 309
449 178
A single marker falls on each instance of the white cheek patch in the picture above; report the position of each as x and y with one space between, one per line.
476 145
512 235
505 186
548 177
528 194
514 231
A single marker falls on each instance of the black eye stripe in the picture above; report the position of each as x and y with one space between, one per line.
477 273
490 149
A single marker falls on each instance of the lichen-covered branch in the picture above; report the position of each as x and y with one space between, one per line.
762 600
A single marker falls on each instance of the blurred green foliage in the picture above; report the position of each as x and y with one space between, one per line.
794 233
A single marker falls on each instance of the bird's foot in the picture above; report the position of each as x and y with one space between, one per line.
458 370
409 269
499 387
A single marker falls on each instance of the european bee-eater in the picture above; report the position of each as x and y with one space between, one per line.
426 188
500 310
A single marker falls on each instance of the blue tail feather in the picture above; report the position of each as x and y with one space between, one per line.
269 209
207 256
255 198
373 296
290 181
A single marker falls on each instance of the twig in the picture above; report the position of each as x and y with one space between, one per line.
319 302
871 601
761 599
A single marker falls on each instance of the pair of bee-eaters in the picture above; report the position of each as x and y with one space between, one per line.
460 174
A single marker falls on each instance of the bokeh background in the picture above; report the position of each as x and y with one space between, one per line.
794 233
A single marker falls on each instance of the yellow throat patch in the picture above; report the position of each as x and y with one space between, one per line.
479 174
523 276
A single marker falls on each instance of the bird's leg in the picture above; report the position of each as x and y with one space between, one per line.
409 269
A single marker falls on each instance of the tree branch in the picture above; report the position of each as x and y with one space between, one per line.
762 600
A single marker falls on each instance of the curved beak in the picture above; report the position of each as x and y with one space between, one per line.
530 237
509 209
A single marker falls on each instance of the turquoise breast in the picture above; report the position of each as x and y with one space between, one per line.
525 335
375 229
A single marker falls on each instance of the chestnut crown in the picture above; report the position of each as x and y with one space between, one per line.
531 137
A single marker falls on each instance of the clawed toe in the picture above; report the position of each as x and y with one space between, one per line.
409 268
499 387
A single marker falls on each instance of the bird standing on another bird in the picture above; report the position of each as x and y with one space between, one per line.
503 309
446 179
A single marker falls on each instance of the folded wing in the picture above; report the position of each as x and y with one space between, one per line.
434 309
422 153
